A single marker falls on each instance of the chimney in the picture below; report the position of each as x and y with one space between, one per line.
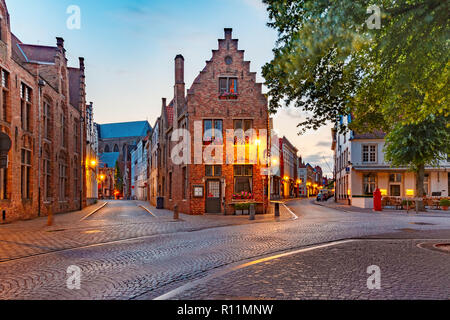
60 42
81 63
179 69
164 103
179 87
228 33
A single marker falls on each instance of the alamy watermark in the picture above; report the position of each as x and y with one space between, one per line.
374 21
74 20
374 281
74 278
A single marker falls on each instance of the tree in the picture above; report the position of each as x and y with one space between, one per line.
118 180
328 62
404 149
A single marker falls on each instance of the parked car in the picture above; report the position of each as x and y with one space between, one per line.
324 195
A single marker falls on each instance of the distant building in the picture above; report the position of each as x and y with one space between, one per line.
361 168
139 171
92 160
107 175
123 138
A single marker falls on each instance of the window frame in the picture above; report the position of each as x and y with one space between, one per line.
243 174
215 139
25 173
228 85
369 153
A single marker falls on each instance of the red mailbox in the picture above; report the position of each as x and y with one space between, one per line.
377 200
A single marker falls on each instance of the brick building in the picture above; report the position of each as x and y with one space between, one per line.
42 105
224 96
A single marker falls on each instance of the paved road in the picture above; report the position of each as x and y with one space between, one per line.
148 267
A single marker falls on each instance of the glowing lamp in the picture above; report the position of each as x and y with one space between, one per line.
410 192
93 162
383 192
349 192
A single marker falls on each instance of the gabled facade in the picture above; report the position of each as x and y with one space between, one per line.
41 110
225 95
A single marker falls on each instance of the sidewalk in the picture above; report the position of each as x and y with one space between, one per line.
351 209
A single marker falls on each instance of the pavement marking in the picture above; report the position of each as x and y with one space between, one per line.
294 216
95 211
169 295
141 206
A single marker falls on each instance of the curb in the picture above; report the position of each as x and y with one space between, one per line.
95 211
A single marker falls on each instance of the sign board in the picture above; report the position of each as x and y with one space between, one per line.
198 191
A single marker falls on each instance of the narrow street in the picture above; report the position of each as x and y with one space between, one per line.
124 252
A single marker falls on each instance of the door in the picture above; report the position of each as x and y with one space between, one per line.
213 195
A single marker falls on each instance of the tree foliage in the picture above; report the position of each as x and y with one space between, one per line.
118 180
327 61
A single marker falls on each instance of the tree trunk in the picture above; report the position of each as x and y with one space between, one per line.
420 177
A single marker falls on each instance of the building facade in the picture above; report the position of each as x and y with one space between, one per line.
107 175
139 171
42 106
92 160
123 138
360 169
225 96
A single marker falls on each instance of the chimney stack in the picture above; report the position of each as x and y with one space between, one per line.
164 103
60 42
81 63
228 33
179 69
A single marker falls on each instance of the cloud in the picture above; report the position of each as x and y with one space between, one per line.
258 5
326 144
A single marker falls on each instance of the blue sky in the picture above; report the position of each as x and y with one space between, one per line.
129 47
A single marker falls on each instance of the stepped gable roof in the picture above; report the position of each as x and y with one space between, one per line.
124 130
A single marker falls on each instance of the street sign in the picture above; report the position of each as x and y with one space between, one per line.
5 146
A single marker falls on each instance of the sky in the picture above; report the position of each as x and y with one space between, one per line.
130 46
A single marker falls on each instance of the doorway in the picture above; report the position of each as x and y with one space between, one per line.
213 196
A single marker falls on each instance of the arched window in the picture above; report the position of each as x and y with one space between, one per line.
47 119
62 177
47 175
116 148
107 149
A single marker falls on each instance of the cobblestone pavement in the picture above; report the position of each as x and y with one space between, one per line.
338 272
119 220
150 266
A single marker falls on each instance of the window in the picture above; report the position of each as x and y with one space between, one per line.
46 120
228 85
369 184
185 183
395 178
3 184
212 132
213 171
76 135
47 177
170 185
62 179
243 178
4 91
395 190
116 148
26 174
25 103
76 178
246 126
369 153
63 130
426 184
107 150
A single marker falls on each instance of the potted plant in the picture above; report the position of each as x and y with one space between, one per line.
444 203
408 204
242 208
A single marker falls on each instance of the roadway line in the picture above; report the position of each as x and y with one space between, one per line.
141 206
295 217
169 295
95 211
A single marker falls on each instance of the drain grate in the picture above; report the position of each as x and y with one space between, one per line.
58 230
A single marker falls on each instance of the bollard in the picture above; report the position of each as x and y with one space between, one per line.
277 209
176 214
50 217
252 212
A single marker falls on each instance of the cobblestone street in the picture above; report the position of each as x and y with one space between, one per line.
124 252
